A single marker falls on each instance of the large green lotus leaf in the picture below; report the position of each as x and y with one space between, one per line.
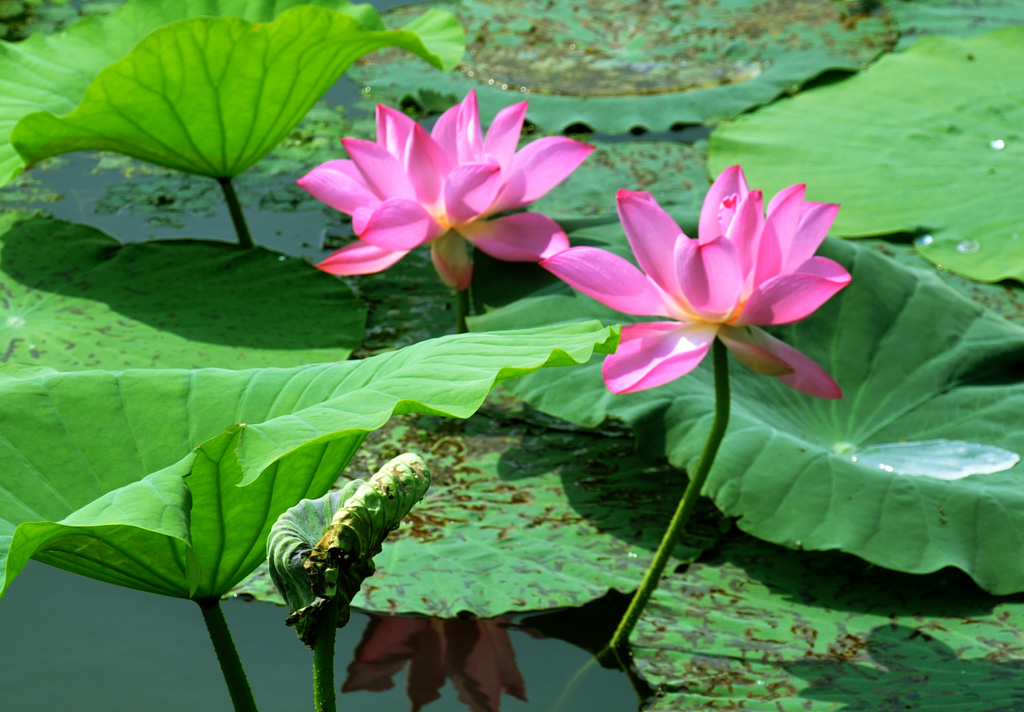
192 95
1004 298
926 140
76 299
756 627
649 64
959 18
214 95
917 363
520 516
91 463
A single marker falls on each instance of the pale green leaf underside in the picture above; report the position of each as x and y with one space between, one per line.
51 75
211 95
786 630
76 299
90 470
916 362
926 140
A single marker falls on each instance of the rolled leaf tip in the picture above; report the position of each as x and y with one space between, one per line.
324 548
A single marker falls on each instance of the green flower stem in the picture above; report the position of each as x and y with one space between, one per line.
461 310
227 654
686 505
323 656
241 229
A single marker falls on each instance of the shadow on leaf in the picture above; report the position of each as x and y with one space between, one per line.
131 305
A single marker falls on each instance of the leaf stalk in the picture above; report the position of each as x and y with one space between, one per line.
685 509
323 656
227 655
461 310
237 217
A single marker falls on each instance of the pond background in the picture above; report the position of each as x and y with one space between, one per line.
72 643
161 654
82 644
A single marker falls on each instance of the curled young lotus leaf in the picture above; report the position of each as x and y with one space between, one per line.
324 548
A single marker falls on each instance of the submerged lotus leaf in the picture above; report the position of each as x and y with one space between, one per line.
650 64
675 173
132 477
958 18
323 549
21 18
519 517
916 362
786 630
934 136
172 98
76 299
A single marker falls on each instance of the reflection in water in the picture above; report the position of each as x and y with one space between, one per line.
474 653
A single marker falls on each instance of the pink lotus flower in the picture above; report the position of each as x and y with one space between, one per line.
744 271
412 188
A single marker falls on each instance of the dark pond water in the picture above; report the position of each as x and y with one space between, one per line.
71 643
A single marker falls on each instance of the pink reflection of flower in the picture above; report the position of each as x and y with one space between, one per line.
745 270
475 653
412 188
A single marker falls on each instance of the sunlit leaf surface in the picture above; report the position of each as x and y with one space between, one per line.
916 362
93 464
171 99
648 64
934 137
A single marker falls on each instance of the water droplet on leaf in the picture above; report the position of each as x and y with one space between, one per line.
924 240
999 144
968 247
941 459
